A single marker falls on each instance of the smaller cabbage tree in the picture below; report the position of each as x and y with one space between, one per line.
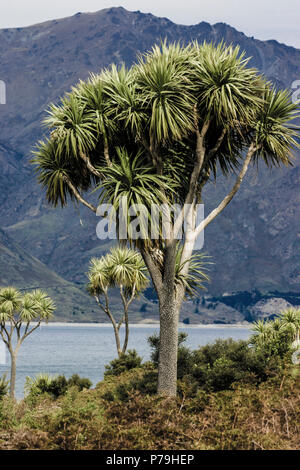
290 318
20 315
279 336
124 268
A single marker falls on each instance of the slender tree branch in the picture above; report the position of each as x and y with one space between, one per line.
106 309
106 153
89 165
126 305
121 322
153 269
78 195
27 326
99 303
30 331
3 337
200 155
252 149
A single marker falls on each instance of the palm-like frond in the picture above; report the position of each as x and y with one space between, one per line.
273 132
10 299
99 276
73 126
131 183
196 276
122 266
290 319
228 91
52 170
165 88
24 308
28 310
128 268
5 314
36 305
43 304
261 327
124 103
54 167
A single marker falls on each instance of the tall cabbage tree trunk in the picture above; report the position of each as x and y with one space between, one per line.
168 314
13 371
168 345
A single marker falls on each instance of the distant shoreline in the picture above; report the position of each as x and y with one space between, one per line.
145 325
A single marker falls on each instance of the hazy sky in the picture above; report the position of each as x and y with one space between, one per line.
264 19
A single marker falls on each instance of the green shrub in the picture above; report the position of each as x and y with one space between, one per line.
277 344
213 368
54 386
184 361
80 383
128 361
8 413
217 366
4 386
245 417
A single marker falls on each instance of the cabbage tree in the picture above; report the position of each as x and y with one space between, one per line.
20 315
123 268
180 117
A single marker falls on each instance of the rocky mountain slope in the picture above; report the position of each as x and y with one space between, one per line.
255 244
26 272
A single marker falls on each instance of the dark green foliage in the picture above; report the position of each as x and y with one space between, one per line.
210 368
274 341
4 386
153 341
125 362
219 365
80 382
55 386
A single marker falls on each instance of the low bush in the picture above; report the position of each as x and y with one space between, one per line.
4 386
125 362
54 386
218 366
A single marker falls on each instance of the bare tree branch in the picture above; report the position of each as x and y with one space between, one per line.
78 195
106 153
200 155
30 331
252 149
89 165
153 269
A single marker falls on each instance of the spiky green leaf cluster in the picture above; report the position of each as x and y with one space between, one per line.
21 308
197 275
138 127
122 266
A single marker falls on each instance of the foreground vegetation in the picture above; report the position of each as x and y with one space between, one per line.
231 396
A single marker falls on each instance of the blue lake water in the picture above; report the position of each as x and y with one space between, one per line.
86 349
